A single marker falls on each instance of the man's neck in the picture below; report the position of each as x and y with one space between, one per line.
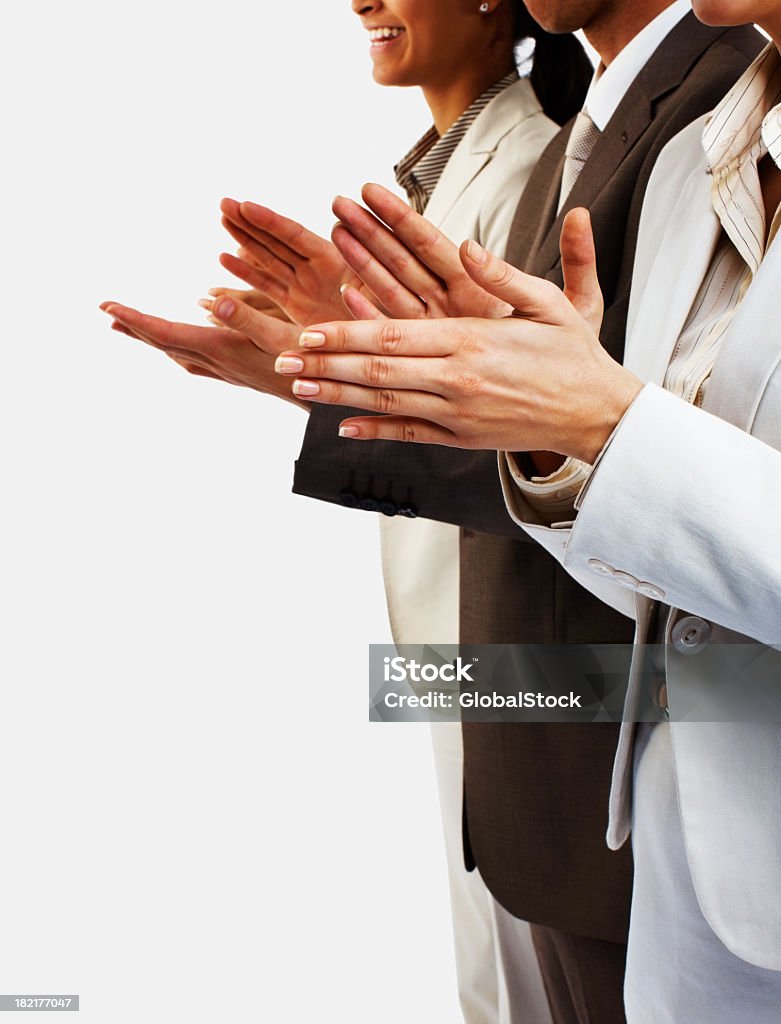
610 31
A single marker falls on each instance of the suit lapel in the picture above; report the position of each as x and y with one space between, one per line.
462 168
536 210
507 110
663 72
750 352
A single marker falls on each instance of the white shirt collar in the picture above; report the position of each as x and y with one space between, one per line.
609 85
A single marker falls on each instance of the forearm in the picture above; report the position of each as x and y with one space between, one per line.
449 485
661 511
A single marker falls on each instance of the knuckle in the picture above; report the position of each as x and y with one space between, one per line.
316 366
469 344
405 216
501 273
387 401
377 370
407 431
339 339
398 263
468 382
427 242
390 337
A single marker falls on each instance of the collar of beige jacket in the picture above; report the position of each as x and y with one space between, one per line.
677 238
750 351
507 110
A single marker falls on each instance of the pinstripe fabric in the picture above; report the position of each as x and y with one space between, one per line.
419 171
741 131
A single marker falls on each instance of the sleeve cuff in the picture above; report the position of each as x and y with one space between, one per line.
552 497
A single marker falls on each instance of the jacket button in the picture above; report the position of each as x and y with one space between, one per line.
601 568
625 579
690 634
409 511
369 505
388 508
650 590
348 499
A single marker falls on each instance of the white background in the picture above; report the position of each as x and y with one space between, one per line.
197 821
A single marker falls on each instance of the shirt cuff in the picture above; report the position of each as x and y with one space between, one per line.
552 497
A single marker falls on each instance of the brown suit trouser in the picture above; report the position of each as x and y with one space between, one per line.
583 978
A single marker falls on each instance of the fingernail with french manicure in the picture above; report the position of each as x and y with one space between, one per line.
312 339
289 364
305 388
349 432
475 252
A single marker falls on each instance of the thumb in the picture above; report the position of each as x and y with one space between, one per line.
579 267
266 332
530 296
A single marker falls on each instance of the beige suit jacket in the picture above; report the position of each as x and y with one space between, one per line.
476 197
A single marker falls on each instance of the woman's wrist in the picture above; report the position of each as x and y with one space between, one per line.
607 409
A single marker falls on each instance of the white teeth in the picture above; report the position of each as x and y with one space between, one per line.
377 35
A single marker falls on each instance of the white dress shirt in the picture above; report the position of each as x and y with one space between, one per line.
741 131
610 84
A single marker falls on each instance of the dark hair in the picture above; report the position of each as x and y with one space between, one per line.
561 72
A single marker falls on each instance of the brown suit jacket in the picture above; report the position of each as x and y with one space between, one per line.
536 795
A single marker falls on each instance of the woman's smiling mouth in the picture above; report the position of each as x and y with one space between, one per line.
384 36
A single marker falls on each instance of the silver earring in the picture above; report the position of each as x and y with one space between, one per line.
484 8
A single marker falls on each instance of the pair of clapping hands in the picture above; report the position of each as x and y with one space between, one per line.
452 346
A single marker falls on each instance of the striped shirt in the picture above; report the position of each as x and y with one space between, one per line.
742 130
420 170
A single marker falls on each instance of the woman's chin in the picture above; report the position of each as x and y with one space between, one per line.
384 75
385 72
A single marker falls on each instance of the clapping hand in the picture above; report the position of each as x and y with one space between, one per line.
300 272
409 265
536 380
222 353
